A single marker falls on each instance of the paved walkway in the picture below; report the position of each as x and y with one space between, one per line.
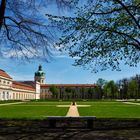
131 103
73 111
11 103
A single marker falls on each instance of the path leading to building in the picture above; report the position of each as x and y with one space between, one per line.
131 103
11 103
73 111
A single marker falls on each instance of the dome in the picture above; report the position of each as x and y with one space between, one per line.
40 71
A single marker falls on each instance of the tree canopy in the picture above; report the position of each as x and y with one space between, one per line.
102 34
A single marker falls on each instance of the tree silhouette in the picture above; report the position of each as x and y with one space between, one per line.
24 28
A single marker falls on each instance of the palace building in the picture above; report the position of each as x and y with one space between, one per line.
38 89
17 90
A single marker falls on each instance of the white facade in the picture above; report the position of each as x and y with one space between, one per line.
5 88
12 90
37 96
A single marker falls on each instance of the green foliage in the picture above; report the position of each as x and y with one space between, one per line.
69 90
122 89
54 90
101 82
132 89
111 89
102 34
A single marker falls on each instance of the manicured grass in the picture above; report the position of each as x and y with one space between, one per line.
47 103
109 110
135 101
8 101
33 110
42 109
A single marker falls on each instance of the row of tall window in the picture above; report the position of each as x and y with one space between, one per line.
22 96
4 95
16 96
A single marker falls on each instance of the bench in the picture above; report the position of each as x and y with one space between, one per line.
69 120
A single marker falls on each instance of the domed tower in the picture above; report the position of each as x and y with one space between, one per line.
40 75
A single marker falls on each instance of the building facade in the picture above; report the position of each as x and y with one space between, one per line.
64 91
17 90
5 86
38 89
68 91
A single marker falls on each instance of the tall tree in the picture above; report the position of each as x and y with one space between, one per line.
124 88
55 91
102 34
101 82
133 89
111 89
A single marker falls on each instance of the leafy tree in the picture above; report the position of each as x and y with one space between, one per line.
137 78
101 82
55 91
133 89
91 92
105 90
124 88
68 92
111 89
102 34
98 92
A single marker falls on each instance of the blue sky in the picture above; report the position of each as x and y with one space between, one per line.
60 70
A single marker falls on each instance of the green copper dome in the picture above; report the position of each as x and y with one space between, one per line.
40 71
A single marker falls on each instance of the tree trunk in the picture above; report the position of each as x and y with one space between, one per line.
2 11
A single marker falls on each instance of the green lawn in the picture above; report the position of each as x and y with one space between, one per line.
8 101
33 110
135 101
109 110
42 109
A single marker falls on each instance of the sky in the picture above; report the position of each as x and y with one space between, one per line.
60 70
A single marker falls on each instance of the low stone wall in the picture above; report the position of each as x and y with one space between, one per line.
99 124
104 129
